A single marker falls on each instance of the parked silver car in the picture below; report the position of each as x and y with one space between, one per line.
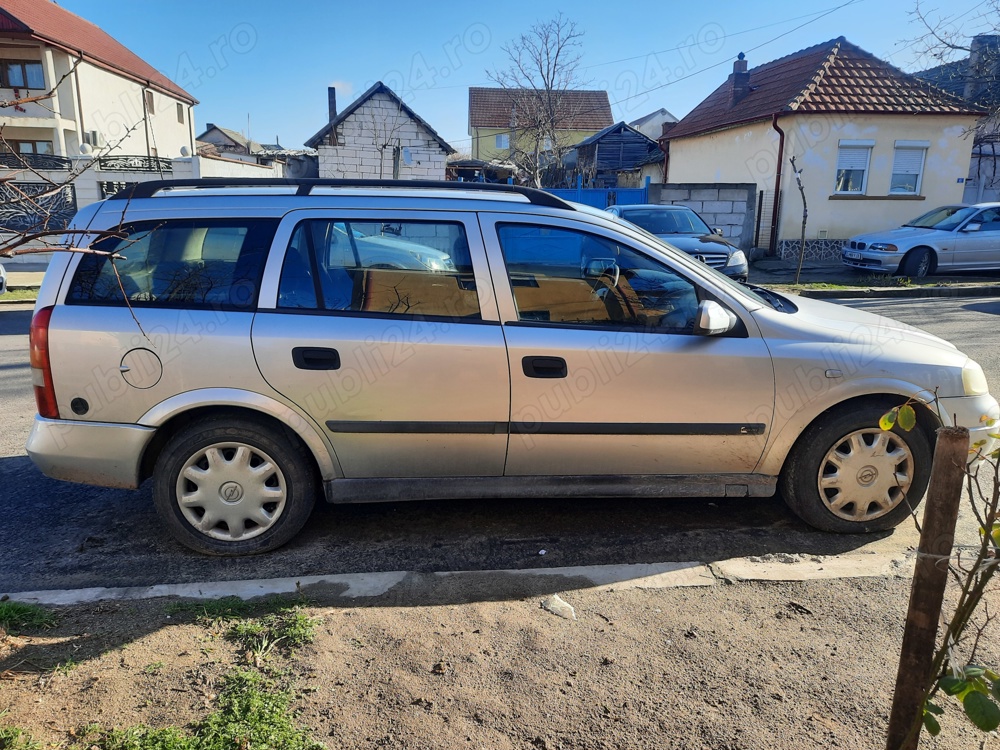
948 238
232 345
3 280
683 228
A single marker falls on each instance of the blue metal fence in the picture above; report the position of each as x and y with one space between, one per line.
602 197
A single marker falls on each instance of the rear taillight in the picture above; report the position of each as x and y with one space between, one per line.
41 367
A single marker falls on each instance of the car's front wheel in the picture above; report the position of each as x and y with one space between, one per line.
917 263
233 486
846 474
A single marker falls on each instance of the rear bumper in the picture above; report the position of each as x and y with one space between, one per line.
98 453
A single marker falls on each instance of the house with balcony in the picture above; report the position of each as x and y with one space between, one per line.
79 109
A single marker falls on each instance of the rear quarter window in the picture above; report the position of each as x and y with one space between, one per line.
202 263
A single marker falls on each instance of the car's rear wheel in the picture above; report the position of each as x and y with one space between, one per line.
846 474
233 486
917 263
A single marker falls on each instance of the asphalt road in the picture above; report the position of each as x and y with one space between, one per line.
56 535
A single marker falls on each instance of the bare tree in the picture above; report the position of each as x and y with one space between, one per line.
543 67
384 130
965 51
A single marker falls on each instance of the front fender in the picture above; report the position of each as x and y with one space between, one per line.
298 422
799 407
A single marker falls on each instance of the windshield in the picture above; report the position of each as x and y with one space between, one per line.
667 220
945 218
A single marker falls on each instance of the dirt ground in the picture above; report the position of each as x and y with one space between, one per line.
747 665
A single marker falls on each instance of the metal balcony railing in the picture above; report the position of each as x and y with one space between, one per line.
134 164
13 160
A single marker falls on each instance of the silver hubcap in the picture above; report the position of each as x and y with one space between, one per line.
231 491
865 475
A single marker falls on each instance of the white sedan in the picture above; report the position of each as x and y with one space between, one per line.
949 238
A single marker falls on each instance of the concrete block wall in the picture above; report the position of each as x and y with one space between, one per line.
731 207
381 120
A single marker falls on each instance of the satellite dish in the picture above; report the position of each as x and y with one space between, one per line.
185 151
407 156
85 148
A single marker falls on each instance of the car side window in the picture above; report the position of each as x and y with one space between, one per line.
571 277
414 268
989 220
191 263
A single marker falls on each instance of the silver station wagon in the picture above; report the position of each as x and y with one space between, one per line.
247 345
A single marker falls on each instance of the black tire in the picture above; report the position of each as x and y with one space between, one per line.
918 263
260 496
871 500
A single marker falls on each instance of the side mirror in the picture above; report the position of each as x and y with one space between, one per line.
718 231
599 267
972 227
713 319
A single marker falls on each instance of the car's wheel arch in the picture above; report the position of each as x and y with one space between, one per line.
171 415
929 248
782 442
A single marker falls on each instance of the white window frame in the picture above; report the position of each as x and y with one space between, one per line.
854 145
502 141
909 147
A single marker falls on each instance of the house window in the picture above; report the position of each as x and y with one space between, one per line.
22 74
503 141
28 147
547 144
180 113
148 95
852 166
908 167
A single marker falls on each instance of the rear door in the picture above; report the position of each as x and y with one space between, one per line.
607 377
384 328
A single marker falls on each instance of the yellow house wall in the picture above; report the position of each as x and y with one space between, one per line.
749 154
484 141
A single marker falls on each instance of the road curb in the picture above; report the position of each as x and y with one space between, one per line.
668 575
910 292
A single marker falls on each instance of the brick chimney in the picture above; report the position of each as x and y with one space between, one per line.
331 99
739 81
984 65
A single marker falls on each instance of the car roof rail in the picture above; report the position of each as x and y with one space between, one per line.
305 185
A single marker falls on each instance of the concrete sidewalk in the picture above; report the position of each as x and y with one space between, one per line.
852 284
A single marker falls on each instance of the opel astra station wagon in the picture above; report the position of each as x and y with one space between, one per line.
249 345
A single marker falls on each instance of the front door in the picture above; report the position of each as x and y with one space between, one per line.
384 328
979 248
607 376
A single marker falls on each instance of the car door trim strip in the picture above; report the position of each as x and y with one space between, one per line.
544 428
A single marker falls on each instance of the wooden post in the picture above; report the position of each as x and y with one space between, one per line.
937 537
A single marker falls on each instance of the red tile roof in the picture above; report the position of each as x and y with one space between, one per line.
834 76
47 22
579 110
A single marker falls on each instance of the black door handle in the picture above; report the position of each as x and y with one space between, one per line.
315 358
544 367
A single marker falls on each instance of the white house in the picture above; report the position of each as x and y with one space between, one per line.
87 112
379 137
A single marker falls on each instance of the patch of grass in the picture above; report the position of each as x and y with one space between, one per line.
12 738
154 667
211 610
258 637
252 713
18 616
65 667
27 295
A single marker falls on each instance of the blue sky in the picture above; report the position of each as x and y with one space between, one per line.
267 65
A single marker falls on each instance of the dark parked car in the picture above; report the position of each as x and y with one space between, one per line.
686 230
